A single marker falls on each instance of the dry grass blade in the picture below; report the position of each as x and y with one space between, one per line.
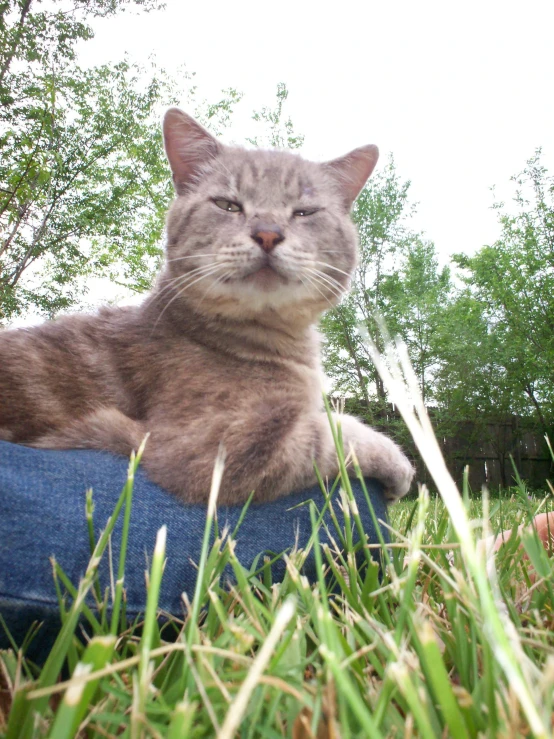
238 706
401 383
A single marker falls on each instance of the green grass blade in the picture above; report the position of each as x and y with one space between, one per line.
54 662
77 697
438 677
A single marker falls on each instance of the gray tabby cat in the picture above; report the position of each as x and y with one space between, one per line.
224 348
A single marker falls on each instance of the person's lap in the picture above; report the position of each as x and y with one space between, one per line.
42 514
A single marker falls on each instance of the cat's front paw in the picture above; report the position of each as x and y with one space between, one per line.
401 475
378 456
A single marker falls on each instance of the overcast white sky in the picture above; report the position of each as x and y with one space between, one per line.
461 93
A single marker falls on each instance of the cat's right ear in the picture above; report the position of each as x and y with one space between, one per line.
353 170
188 147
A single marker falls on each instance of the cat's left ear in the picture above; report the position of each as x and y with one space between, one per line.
188 147
353 170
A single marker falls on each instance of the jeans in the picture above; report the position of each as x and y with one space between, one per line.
42 514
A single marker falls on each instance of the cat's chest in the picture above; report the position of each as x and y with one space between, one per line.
195 379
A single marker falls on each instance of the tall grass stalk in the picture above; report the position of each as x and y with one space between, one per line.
142 681
401 383
22 725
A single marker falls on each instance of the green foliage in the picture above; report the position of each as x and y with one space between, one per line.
380 213
48 37
482 346
513 282
278 132
83 186
415 299
470 391
83 180
398 281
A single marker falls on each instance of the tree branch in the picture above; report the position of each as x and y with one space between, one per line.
16 39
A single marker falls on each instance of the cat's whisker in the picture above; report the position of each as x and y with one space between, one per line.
333 283
327 278
195 276
216 282
313 283
330 266
309 261
183 288
176 282
196 270
325 290
321 272
181 283
190 256
179 293
216 269
320 278
331 251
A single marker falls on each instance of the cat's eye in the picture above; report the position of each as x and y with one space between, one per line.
228 205
302 212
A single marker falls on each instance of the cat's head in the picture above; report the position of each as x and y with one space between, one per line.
252 230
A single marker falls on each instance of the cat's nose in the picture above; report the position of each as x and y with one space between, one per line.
267 237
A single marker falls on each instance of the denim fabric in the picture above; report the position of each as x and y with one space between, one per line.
42 513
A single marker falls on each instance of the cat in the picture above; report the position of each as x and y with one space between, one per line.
224 349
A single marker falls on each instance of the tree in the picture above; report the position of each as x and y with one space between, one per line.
513 280
280 133
76 195
83 181
483 352
398 281
415 300
40 37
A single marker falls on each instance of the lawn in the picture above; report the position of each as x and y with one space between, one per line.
442 640
414 654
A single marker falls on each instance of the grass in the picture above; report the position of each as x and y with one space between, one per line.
445 644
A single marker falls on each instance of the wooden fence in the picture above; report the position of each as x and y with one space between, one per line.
492 458
488 451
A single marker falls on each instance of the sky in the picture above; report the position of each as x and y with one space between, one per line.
460 93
